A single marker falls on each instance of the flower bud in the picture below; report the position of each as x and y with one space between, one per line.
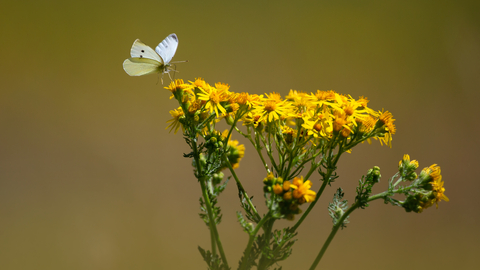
229 120
277 189
412 176
287 196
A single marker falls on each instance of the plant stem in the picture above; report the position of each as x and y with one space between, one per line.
263 262
213 227
339 224
326 180
240 186
332 235
257 147
312 204
251 238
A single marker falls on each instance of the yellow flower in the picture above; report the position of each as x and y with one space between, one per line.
325 95
223 87
235 153
199 83
340 120
248 100
301 103
433 173
366 124
387 128
175 122
274 96
410 164
177 84
302 190
387 119
319 125
272 109
213 99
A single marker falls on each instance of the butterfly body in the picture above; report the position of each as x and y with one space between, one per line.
144 60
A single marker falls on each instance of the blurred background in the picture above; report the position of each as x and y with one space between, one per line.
90 178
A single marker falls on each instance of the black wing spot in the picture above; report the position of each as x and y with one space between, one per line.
141 56
174 37
143 51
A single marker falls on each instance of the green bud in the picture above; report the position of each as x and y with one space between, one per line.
279 180
339 212
229 120
412 176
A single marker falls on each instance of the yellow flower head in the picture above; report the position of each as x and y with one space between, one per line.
302 190
366 123
325 95
175 124
213 98
386 118
235 153
272 109
177 84
340 120
318 124
199 83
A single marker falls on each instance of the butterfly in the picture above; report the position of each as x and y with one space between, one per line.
146 61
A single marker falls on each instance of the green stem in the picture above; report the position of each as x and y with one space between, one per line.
263 262
251 239
310 207
213 227
268 149
256 144
326 180
332 235
240 186
339 224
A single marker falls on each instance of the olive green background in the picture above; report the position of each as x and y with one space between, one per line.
90 178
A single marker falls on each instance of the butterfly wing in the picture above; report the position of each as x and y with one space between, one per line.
140 50
141 66
167 48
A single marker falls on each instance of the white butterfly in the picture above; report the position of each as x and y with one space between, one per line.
147 61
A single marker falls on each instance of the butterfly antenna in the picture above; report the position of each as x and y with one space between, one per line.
179 62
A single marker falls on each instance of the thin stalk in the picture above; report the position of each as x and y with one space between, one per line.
256 145
240 186
262 263
251 239
326 180
208 204
339 224
312 204
269 151
332 234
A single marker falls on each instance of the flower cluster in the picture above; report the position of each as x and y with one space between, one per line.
293 131
289 195
427 188
307 117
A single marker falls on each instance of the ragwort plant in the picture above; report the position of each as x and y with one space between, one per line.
295 137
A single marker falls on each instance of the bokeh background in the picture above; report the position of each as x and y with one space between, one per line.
90 178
